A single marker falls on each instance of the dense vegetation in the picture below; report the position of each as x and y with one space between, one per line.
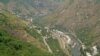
10 45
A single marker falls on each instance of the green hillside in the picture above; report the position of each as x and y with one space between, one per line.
13 45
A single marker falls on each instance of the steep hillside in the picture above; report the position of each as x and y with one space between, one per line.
14 39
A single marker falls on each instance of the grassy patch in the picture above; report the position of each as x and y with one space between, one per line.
54 45
34 33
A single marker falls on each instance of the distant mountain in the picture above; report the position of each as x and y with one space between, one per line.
30 8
